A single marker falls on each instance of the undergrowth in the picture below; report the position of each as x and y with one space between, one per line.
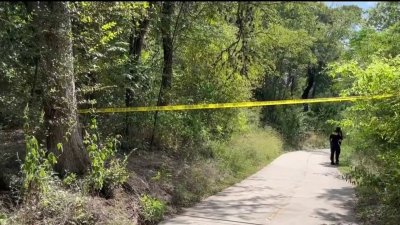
41 197
376 182
45 198
234 160
152 209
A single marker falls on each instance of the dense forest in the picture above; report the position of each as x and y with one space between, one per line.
62 167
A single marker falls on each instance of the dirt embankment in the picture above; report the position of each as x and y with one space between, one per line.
148 173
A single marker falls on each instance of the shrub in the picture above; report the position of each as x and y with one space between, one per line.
37 168
163 175
373 126
378 187
56 206
70 180
106 171
152 209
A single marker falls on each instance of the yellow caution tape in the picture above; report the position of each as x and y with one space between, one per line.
230 105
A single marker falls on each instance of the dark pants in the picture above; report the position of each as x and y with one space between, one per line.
335 152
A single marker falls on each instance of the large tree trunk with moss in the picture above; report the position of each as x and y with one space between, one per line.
54 36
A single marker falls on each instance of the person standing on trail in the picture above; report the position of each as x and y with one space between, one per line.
335 140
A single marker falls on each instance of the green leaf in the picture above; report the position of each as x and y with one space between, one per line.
108 25
60 147
52 158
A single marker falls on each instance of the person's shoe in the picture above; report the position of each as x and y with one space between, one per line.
332 163
337 163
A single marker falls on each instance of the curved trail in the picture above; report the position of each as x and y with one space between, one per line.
296 188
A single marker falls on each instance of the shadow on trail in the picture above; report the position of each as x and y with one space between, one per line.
239 190
224 209
225 220
341 198
328 164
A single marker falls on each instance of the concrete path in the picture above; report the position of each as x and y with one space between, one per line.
297 188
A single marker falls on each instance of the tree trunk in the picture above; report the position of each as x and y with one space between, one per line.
166 80
56 65
310 84
166 25
136 41
245 25
33 81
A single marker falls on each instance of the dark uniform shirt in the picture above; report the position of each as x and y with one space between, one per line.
335 139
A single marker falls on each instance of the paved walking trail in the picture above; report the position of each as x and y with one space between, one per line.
297 188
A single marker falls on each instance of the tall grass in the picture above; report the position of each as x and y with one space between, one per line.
248 152
347 159
244 154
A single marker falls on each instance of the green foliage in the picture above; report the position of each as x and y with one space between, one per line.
116 173
368 43
152 209
384 15
70 179
379 77
16 63
37 168
222 52
301 36
162 175
106 171
378 185
215 60
372 125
